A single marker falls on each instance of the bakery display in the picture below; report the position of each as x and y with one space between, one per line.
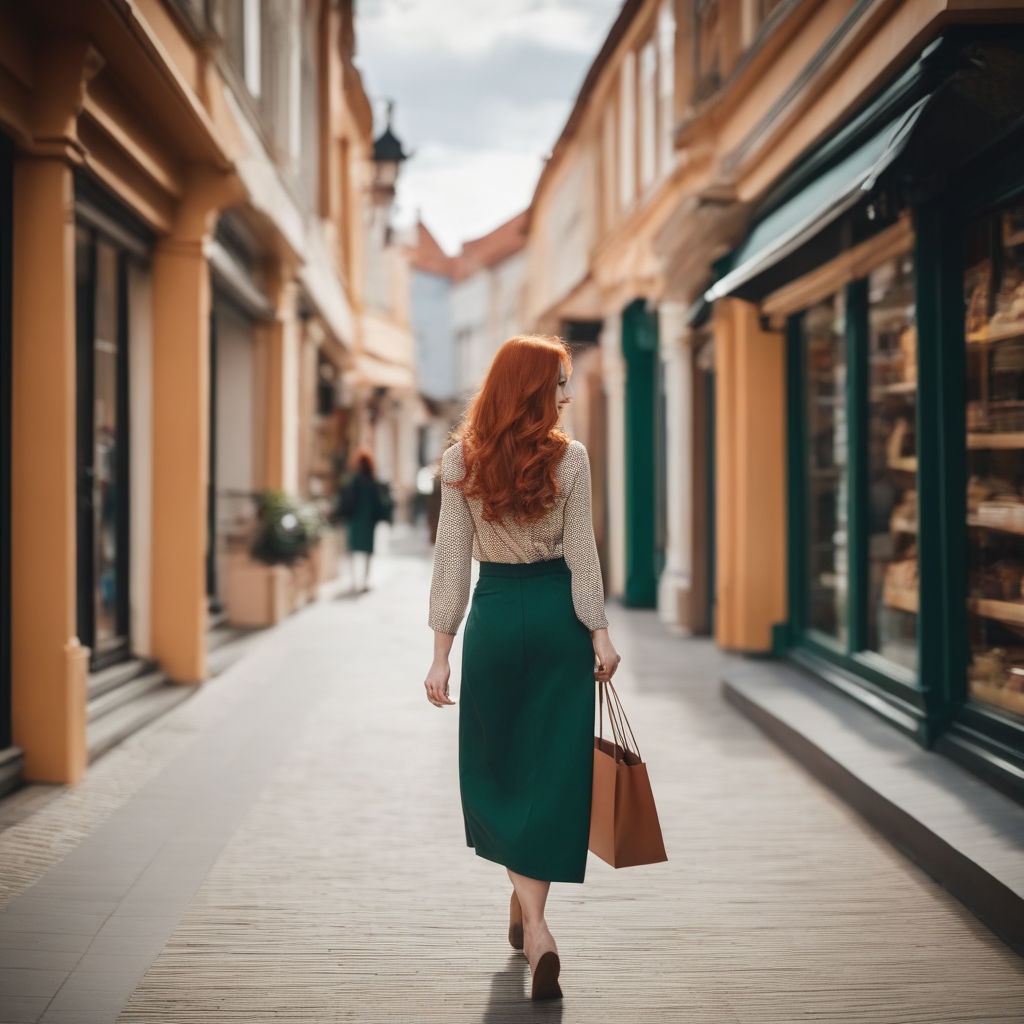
893 597
994 413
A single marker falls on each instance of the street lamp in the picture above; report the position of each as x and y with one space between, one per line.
388 156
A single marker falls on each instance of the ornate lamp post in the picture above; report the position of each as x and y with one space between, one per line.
388 156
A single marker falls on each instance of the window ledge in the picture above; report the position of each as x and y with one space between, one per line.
966 835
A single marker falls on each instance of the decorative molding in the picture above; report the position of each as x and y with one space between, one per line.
801 83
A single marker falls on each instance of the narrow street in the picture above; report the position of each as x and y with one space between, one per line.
288 845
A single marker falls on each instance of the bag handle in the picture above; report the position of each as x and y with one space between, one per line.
622 721
617 720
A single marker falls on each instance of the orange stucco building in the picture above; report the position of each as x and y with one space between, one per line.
793 228
796 228
183 252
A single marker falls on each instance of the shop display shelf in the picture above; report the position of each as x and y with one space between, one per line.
981 524
902 524
832 582
1011 613
1000 696
902 387
1001 332
904 598
1002 440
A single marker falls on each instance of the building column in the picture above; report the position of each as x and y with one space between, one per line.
675 581
283 366
614 379
750 470
181 430
311 334
49 666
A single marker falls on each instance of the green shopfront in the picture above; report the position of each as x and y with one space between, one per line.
892 259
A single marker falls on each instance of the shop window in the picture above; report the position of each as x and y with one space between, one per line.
242 42
627 131
892 463
648 113
994 328
824 349
708 45
103 446
608 189
666 84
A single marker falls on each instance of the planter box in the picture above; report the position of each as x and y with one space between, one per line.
256 594
302 583
325 557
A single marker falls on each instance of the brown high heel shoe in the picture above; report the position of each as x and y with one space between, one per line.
515 922
545 977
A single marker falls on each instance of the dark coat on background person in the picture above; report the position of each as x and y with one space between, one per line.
364 503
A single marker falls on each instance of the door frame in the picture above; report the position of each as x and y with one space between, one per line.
213 602
6 366
104 220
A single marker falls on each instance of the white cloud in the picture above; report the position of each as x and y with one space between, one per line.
464 194
482 90
471 27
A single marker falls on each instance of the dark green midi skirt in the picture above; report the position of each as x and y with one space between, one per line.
526 721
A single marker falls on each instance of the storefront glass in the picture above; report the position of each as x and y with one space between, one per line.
892 463
994 329
108 434
824 349
103 507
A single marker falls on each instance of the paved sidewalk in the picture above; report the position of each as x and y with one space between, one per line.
288 845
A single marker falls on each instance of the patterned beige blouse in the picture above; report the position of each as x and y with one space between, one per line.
566 529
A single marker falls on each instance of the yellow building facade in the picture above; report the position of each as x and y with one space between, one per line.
185 188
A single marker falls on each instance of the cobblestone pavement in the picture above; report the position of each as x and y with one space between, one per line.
287 845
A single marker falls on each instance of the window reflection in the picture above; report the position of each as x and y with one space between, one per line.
892 463
107 433
827 554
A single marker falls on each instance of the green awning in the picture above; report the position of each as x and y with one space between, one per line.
831 194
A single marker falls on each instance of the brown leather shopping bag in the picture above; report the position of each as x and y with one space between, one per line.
624 826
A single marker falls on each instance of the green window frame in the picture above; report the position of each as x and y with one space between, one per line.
891 689
987 741
930 704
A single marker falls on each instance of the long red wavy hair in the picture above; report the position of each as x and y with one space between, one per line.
511 441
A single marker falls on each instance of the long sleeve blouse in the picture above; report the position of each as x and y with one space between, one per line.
566 529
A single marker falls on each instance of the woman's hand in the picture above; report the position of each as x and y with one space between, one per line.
437 683
606 658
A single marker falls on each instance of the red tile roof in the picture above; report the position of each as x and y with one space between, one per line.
499 244
428 255
477 254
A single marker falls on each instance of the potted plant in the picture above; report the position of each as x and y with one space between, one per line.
275 576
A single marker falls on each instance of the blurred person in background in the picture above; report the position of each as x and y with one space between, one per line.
516 495
365 501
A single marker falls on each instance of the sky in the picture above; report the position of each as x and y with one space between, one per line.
482 89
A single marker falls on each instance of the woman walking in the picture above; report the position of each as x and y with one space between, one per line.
363 505
516 496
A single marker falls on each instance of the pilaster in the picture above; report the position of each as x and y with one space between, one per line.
614 381
675 581
49 666
283 364
750 477
181 429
